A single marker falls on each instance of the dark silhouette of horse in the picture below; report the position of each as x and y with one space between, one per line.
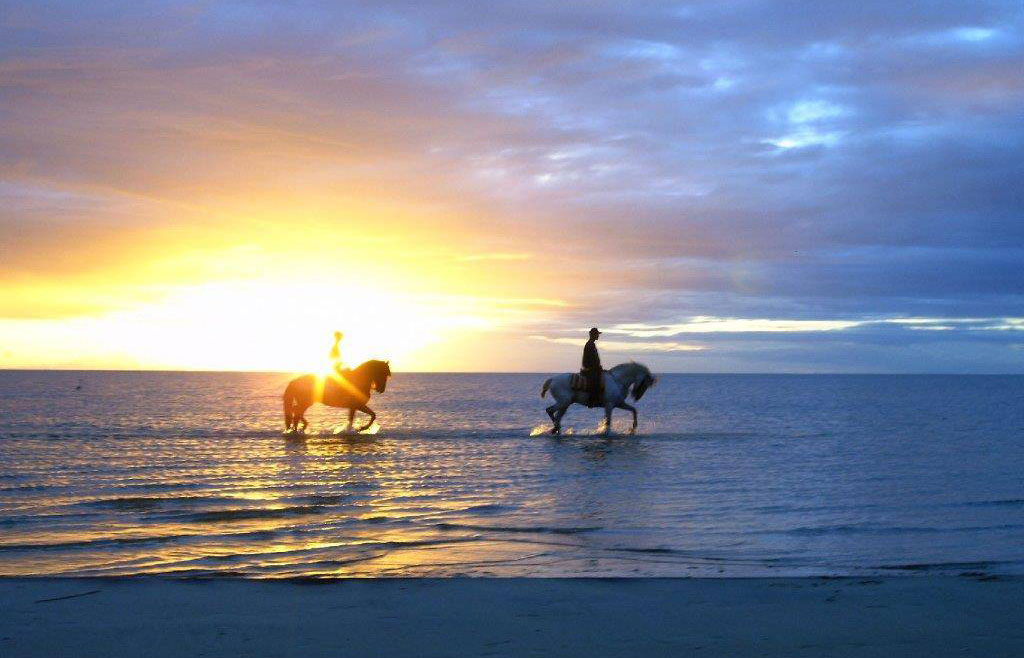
349 389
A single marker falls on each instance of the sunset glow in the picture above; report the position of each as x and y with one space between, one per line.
473 189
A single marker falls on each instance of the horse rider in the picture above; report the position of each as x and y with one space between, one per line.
592 369
336 353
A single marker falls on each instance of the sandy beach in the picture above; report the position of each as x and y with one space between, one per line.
917 616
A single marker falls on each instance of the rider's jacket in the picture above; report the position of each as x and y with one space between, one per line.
591 360
335 357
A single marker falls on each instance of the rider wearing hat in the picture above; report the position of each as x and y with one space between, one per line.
592 369
335 354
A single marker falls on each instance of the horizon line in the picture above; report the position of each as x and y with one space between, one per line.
531 372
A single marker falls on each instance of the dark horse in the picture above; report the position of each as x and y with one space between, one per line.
350 390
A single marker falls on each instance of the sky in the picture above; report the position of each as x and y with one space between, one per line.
720 185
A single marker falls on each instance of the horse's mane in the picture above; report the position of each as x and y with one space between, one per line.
630 366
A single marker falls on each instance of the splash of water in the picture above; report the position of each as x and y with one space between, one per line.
345 429
546 429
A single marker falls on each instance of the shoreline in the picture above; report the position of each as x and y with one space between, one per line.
126 616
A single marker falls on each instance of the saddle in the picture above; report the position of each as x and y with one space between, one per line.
580 382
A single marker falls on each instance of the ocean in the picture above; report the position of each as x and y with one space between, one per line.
189 475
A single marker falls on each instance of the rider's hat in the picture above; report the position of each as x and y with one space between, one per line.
594 331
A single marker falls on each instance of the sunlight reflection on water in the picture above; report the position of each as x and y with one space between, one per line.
139 473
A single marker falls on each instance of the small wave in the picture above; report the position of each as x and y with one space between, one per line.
525 529
26 487
90 543
216 516
796 508
803 509
415 543
1009 502
105 542
883 530
938 566
144 503
47 519
492 508
325 499
158 486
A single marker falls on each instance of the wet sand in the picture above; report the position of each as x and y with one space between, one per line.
917 616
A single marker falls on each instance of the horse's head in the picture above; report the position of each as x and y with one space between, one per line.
379 374
646 381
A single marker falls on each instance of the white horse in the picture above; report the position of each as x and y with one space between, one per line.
617 384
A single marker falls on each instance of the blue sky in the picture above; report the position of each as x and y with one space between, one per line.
724 186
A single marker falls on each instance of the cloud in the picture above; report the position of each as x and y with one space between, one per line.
627 347
762 164
703 325
494 256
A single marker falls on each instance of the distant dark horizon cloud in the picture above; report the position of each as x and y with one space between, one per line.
736 185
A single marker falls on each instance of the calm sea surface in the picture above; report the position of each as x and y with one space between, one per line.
188 474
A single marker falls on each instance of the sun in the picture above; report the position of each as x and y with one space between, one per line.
280 314
271 325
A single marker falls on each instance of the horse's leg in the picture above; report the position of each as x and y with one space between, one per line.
292 420
351 417
630 408
366 410
607 419
300 417
560 410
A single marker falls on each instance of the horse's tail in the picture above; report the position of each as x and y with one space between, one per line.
289 398
544 389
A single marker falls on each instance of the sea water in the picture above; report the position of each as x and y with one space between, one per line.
188 474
